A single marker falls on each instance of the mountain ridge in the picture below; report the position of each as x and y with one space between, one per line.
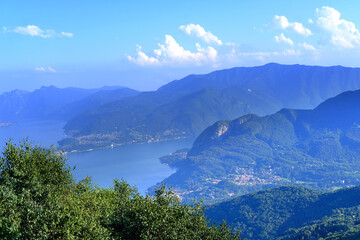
290 86
47 101
316 148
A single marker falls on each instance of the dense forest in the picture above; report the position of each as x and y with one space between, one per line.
40 200
293 213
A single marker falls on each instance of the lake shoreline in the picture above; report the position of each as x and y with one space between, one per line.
116 145
138 164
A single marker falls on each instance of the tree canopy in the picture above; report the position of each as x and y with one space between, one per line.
39 199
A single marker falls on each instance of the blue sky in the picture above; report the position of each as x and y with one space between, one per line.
144 44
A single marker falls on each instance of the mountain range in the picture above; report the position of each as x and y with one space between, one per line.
185 107
318 148
56 103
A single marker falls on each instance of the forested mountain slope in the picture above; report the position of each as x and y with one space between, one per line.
185 107
293 213
319 148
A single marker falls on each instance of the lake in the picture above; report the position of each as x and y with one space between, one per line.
138 164
45 133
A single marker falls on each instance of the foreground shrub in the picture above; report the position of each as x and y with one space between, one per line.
39 199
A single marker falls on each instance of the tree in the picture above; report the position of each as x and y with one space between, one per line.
39 199
161 217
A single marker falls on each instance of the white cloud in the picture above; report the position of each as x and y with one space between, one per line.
199 31
342 33
263 56
35 31
141 58
29 30
307 46
40 69
172 53
67 34
45 69
283 23
290 52
207 54
50 69
282 39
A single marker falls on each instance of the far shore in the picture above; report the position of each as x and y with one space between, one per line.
119 145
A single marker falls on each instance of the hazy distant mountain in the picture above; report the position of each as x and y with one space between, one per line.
56 103
183 108
292 213
18 105
318 148
94 100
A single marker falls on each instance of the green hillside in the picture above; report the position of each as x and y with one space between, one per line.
318 148
293 213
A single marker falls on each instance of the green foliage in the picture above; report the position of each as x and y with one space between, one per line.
331 228
40 200
161 217
293 213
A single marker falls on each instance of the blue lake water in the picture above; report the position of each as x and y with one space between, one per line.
44 133
138 164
